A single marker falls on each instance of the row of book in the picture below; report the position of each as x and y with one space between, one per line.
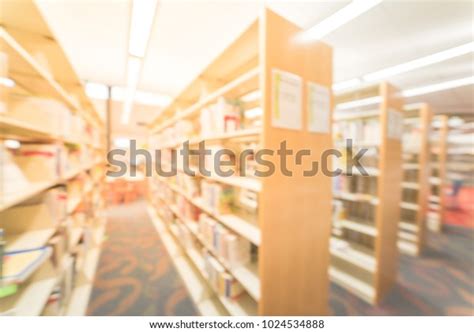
35 163
409 195
223 283
359 130
45 114
217 197
223 243
410 175
365 185
411 139
224 116
363 211
408 215
232 248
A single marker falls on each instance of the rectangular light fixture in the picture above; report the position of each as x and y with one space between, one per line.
346 84
97 91
253 113
406 67
5 81
438 87
338 19
359 103
133 74
153 99
12 143
141 97
420 63
251 96
143 14
121 142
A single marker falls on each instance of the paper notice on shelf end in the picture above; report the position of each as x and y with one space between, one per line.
286 100
395 124
319 108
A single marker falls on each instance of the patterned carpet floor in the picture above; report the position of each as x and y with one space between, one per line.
440 282
136 277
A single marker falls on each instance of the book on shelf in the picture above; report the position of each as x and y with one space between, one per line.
56 201
217 197
220 117
4 93
53 304
40 162
20 265
220 280
2 253
359 130
232 248
49 116
58 245
12 180
25 223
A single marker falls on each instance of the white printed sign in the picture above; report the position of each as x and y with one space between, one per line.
319 108
286 100
395 124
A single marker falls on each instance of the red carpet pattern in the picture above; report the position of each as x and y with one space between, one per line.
135 276
460 209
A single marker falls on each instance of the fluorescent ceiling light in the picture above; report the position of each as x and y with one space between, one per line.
122 142
5 81
421 62
143 13
97 91
154 99
141 97
253 113
346 84
455 121
251 96
438 87
133 73
12 144
406 67
338 19
359 103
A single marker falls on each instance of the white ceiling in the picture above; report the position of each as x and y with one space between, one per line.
188 34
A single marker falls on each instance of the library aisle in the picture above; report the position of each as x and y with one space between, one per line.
135 275
128 286
236 160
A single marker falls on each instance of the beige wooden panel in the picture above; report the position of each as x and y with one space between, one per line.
389 190
424 173
295 212
443 155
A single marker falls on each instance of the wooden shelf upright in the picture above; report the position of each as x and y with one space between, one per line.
437 179
415 187
73 134
364 253
290 227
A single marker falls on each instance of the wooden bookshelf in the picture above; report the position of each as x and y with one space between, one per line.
279 280
460 152
437 178
415 187
364 255
41 72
